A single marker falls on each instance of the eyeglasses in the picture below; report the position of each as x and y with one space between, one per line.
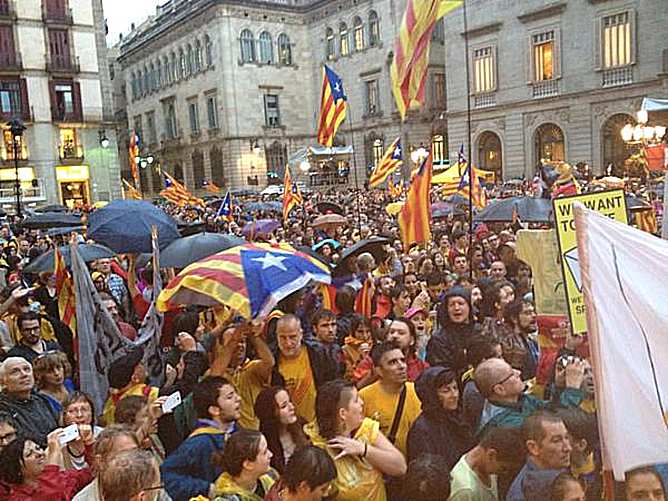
45 354
155 488
505 378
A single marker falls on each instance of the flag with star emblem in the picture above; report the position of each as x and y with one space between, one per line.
225 209
332 107
178 194
387 165
251 279
291 194
477 193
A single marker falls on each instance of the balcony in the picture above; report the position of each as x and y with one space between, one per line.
62 17
484 100
62 64
10 62
545 88
70 153
617 76
29 194
7 10
59 114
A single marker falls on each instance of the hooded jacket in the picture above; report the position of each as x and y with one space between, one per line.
447 347
34 415
437 431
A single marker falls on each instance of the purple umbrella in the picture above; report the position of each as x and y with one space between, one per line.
260 227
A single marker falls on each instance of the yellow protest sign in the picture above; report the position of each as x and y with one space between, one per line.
610 203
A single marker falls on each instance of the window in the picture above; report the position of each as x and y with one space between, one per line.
438 149
272 114
212 111
344 42
170 120
59 49
133 85
208 48
374 29
167 78
66 101
21 150
617 40
438 34
358 34
138 127
10 98
198 56
68 144
197 158
378 151
182 65
158 74
483 70
277 156
150 127
7 48
284 49
147 81
372 103
172 69
189 60
266 47
439 91
64 98
543 56
329 44
216 162
247 46
140 84
151 78
193 114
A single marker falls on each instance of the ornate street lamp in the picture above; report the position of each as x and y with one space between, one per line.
16 127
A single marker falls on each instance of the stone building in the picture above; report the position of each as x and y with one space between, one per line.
54 77
553 80
228 90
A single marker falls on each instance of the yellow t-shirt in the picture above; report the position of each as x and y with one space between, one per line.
249 381
299 382
381 406
141 390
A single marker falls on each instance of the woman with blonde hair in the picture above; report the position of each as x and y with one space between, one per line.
52 371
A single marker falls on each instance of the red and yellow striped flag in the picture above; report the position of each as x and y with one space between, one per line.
131 193
65 292
328 293
646 220
178 194
133 154
387 165
291 194
415 215
363 299
396 190
211 187
411 54
332 107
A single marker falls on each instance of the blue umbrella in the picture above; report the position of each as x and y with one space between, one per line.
184 251
125 226
88 252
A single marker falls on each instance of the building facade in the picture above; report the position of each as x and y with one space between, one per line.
552 81
228 91
54 77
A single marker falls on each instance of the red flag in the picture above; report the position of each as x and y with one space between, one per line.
363 300
415 216
65 293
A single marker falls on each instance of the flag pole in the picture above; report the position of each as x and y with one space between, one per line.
468 134
357 188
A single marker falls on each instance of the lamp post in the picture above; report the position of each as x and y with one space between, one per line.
16 127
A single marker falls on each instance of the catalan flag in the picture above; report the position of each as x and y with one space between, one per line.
210 186
131 193
133 154
328 294
396 189
467 188
225 209
387 165
178 194
411 53
332 107
291 194
415 215
363 299
65 292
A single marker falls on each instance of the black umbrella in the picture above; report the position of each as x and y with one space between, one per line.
373 245
329 208
307 250
51 220
89 252
528 209
192 228
54 232
636 203
184 251
52 208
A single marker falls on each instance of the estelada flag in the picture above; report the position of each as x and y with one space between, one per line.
411 53
225 209
291 194
415 215
178 194
65 292
210 186
332 107
387 165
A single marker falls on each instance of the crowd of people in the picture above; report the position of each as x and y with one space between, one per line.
441 391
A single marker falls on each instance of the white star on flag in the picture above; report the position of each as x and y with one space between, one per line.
397 152
270 260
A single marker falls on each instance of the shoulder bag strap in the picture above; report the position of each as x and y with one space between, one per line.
397 416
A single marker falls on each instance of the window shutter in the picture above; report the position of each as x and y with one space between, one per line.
634 46
495 66
54 102
557 52
25 104
530 61
76 100
598 56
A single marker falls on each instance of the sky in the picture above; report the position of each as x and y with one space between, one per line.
121 13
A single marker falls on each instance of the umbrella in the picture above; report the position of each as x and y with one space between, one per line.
458 199
54 232
48 220
529 210
374 245
328 241
184 251
443 209
251 279
260 227
635 203
125 226
308 250
190 228
275 206
329 208
329 219
52 208
89 252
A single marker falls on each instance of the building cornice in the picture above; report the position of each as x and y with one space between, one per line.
551 10
482 30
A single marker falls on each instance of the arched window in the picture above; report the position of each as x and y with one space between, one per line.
189 60
344 41
615 150
276 157
284 49
181 69
158 74
198 56
358 34
266 47
198 169
247 46
549 143
374 29
329 44
208 48
216 161
490 153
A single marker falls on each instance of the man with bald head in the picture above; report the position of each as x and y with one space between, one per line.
302 365
506 404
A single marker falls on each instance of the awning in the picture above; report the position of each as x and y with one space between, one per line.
652 104
318 151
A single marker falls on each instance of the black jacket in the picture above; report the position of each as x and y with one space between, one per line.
35 416
437 431
323 364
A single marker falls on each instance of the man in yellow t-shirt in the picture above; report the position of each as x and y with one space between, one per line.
381 398
301 366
